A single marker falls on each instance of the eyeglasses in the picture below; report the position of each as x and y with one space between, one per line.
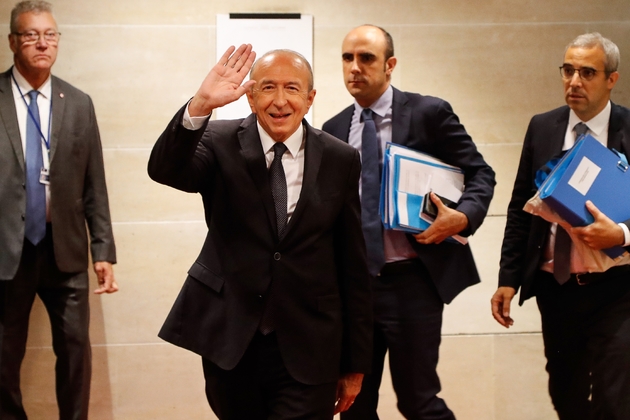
586 73
31 37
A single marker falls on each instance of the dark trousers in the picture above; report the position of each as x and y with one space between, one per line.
586 332
261 388
408 324
65 297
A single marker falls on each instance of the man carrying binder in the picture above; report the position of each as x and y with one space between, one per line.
585 316
413 276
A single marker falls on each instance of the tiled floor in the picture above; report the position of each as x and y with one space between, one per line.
483 367
484 377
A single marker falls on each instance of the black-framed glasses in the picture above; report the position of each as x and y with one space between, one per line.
586 73
31 37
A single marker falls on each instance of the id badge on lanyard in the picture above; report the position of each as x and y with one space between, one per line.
44 174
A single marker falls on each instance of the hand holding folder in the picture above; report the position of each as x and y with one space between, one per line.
588 171
408 176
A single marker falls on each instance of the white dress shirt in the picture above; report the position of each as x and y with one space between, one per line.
598 129
292 160
395 243
44 102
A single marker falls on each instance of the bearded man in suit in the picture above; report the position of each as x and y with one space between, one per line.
413 275
585 316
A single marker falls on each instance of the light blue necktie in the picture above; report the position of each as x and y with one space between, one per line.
35 228
370 194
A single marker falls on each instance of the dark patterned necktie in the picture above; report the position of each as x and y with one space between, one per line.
370 194
35 219
562 247
279 188
279 192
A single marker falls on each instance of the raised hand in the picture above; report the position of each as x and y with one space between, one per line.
223 85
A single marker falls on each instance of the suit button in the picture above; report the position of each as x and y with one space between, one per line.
23 186
23 217
277 256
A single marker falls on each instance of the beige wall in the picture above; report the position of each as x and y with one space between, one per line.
495 61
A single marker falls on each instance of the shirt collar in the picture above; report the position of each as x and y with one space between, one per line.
293 143
45 90
382 105
597 124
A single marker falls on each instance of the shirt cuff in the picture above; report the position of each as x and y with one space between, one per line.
194 123
626 234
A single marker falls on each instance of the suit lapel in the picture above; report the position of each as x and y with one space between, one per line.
254 156
342 129
58 104
616 138
9 116
313 152
401 118
553 147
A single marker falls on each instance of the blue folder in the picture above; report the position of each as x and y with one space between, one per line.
589 171
390 207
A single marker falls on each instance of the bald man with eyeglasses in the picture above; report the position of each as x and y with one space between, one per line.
52 195
585 316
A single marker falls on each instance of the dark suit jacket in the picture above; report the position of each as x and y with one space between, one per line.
526 235
318 271
78 193
429 125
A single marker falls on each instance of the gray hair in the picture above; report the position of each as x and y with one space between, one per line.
295 54
34 6
595 39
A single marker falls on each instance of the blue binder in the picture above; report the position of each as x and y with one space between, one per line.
390 204
589 171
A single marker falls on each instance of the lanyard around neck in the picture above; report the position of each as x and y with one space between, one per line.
32 117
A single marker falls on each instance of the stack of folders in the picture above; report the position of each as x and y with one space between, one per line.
407 179
589 171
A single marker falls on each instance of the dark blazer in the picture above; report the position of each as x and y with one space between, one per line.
429 125
78 193
318 271
526 235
